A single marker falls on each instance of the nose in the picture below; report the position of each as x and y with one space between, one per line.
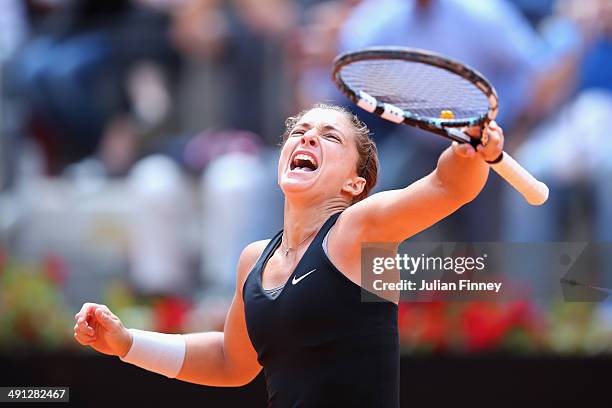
309 139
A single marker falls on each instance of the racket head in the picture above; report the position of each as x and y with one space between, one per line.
415 87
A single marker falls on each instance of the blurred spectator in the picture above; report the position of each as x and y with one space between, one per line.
115 87
317 44
73 102
234 73
161 211
535 10
239 208
491 36
234 77
14 27
572 135
14 24
570 152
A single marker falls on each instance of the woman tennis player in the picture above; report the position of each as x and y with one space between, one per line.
297 310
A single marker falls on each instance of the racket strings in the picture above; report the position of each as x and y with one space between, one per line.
421 89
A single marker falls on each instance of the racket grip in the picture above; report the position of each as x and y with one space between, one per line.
534 191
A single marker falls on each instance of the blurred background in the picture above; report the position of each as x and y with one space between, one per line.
138 150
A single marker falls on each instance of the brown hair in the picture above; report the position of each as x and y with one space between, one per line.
367 163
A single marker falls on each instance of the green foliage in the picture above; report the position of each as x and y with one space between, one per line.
33 313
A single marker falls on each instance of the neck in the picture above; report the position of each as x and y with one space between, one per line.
302 219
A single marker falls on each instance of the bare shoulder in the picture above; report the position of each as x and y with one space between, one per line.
249 256
351 223
344 244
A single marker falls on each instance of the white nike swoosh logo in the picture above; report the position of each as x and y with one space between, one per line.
295 281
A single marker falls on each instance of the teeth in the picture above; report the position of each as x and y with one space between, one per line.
302 156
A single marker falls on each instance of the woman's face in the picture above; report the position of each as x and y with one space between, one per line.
319 158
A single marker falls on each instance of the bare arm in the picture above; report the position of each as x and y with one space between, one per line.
221 358
393 216
228 358
216 358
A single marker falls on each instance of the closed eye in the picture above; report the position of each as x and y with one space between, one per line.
334 137
300 132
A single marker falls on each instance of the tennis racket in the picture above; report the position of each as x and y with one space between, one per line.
429 91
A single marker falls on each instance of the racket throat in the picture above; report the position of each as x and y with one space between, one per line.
459 136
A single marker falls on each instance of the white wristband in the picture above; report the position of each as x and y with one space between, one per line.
158 352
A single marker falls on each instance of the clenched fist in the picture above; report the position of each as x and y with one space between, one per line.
96 326
492 142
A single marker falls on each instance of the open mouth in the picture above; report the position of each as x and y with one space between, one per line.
304 162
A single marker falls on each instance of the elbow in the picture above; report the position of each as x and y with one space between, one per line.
238 375
239 379
244 381
228 380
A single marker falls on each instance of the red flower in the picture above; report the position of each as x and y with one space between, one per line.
170 314
424 324
486 324
55 268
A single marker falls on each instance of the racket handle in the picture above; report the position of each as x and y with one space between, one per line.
534 191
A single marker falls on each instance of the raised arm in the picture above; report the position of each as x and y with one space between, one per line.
395 215
214 358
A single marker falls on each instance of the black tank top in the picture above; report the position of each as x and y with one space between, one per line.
319 344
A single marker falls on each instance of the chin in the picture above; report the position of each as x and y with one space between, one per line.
291 185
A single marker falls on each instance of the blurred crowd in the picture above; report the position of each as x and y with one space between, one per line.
139 138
